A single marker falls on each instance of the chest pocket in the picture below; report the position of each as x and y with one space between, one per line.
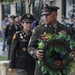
24 43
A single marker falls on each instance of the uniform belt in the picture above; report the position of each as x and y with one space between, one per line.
21 57
24 48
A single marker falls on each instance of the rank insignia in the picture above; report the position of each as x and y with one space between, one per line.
44 33
14 36
31 52
24 35
21 37
45 25
20 34
24 49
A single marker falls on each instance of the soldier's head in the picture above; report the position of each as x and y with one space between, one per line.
6 17
26 21
12 18
62 18
72 18
49 13
17 18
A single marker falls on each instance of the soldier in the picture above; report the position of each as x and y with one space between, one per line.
5 22
20 59
9 32
63 20
17 21
51 25
72 25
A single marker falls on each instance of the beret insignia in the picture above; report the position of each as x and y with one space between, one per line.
28 15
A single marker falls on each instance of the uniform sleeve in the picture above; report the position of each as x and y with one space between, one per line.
13 52
69 31
32 47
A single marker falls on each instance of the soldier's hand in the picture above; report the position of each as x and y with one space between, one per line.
10 70
39 54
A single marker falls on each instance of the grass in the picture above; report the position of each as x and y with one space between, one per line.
2 58
0 39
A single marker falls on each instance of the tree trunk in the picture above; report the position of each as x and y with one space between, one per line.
21 7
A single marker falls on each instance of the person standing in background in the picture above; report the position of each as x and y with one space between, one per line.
20 59
5 22
71 20
9 32
63 20
17 21
35 23
72 25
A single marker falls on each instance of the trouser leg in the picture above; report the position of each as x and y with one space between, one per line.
24 72
8 53
37 70
4 40
31 72
21 72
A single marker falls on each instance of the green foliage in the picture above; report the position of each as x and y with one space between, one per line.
40 45
2 58
60 49
8 0
0 39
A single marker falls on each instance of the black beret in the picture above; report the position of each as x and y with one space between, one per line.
72 16
17 15
27 16
12 17
47 9
62 16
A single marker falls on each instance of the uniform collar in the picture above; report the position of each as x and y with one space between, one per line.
55 25
27 32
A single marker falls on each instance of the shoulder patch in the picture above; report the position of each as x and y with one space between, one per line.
14 37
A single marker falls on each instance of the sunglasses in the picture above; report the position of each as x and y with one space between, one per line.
28 22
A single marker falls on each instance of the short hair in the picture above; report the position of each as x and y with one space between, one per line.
5 16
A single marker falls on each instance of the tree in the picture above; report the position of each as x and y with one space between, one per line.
8 0
11 1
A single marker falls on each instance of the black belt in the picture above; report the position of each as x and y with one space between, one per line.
23 49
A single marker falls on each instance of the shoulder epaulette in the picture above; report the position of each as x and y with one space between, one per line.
39 25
